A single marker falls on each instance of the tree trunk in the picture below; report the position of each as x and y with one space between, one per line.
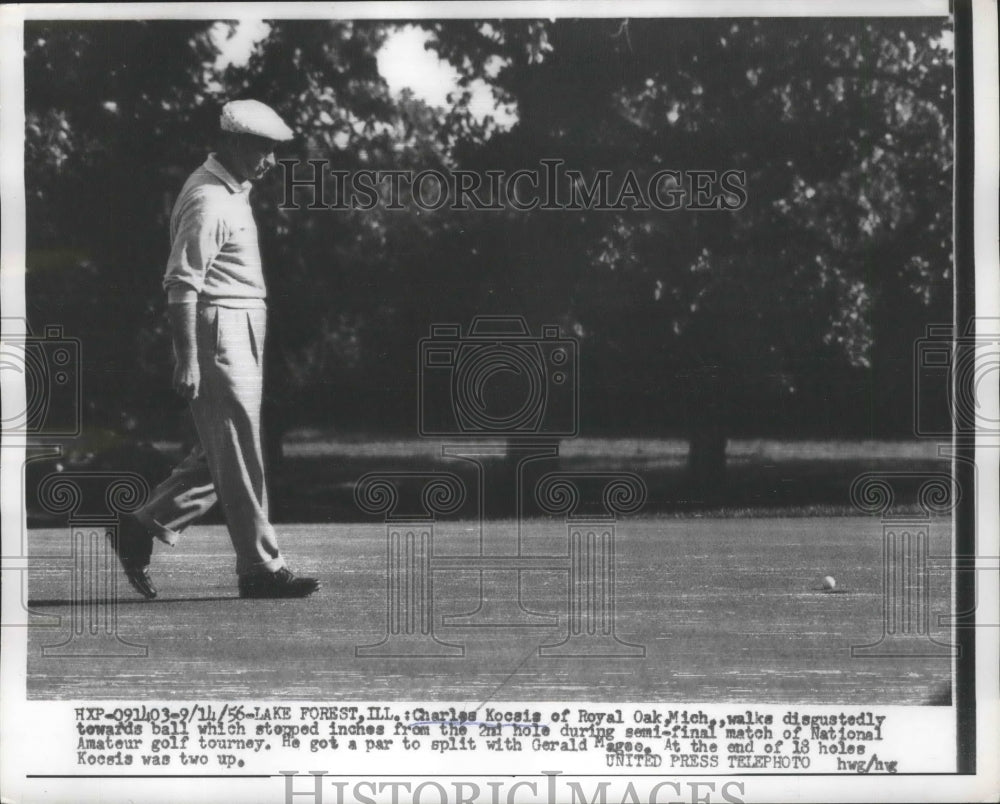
706 463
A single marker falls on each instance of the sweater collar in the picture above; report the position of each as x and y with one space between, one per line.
217 169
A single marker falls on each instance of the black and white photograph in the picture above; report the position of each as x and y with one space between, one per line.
507 401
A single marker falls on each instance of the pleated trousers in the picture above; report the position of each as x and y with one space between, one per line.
228 464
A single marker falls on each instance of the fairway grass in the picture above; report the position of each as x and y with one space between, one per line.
726 609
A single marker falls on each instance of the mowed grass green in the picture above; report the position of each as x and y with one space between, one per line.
728 610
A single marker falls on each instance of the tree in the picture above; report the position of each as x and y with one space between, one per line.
116 114
794 313
841 253
348 284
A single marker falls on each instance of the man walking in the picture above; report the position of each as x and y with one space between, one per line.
217 312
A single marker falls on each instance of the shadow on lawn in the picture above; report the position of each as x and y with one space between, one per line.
52 603
315 481
313 489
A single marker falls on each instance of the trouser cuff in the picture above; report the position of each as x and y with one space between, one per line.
261 567
164 534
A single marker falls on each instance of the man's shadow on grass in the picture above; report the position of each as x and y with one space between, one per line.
53 603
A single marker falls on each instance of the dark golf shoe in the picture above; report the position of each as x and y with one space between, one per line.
141 582
283 583
133 545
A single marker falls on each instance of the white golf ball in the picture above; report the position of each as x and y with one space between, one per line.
829 582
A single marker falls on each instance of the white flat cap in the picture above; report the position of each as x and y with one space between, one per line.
254 117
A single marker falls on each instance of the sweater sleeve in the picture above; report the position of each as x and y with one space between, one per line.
200 231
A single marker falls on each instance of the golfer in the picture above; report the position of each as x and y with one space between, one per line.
217 312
